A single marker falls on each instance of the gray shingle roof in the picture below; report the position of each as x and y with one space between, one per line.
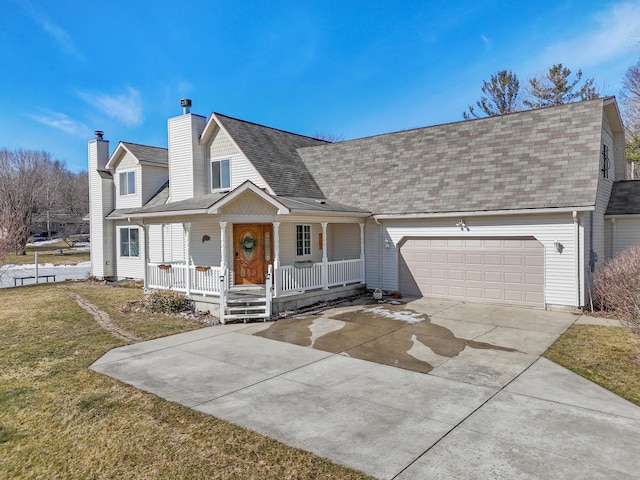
147 154
541 158
625 198
273 154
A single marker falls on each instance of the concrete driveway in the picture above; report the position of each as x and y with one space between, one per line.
427 389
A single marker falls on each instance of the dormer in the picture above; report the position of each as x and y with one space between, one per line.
138 173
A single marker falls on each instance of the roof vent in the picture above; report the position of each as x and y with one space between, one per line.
99 135
321 202
185 103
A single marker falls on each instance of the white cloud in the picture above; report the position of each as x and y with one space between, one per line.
125 107
62 38
487 42
615 33
63 123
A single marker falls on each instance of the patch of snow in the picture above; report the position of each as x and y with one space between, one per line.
323 326
403 315
62 272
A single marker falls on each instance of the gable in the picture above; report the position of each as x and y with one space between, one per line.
248 203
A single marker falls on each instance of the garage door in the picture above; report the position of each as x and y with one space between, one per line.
497 270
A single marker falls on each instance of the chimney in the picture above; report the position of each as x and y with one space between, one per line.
185 103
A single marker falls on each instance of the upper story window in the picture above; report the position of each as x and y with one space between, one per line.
605 161
127 183
220 175
303 240
129 242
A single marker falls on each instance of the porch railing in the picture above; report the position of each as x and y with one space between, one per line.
289 278
309 277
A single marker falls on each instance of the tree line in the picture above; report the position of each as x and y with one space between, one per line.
33 187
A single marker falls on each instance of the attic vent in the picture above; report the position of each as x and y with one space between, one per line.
322 202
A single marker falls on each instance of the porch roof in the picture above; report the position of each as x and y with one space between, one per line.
625 198
158 206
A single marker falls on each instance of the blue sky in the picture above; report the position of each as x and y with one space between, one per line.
349 68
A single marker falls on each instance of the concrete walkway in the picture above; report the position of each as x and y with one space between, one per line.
483 413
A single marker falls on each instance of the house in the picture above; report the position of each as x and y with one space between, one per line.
510 209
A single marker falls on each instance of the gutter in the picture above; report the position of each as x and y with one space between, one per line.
481 213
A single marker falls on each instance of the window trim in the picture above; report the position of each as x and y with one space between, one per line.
125 175
303 240
127 254
222 187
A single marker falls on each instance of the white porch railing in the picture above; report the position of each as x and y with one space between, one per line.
171 276
309 277
289 278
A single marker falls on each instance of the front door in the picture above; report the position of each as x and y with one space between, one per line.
252 252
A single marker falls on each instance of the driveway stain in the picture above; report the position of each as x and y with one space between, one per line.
386 334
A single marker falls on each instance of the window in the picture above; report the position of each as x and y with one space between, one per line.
605 160
220 177
303 240
127 183
129 242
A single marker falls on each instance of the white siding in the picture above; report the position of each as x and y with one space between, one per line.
372 232
155 244
222 146
343 241
602 198
288 243
187 172
626 233
101 202
560 268
205 252
133 200
152 179
130 267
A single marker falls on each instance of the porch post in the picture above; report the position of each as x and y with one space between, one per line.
187 254
325 259
362 279
276 258
145 278
223 246
162 225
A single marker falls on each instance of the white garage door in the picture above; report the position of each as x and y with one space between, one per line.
497 270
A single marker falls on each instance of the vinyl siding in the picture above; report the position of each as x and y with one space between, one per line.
560 268
130 267
155 244
101 199
626 233
288 243
372 254
343 241
186 157
602 198
205 252
152 179
128 201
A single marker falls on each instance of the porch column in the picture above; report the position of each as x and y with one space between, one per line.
223 246
362 280
162 225
325 259
276 258
145 278
187 254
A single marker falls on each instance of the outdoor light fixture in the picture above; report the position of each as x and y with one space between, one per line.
558 246
387 243
462 225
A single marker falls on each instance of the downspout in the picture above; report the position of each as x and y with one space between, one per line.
576 236
380 246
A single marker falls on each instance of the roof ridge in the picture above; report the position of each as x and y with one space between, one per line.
270 128
142 145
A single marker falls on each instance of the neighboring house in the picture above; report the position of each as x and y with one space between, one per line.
507 209
59 225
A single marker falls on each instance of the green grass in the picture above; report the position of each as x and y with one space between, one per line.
608 356
58 419
50 253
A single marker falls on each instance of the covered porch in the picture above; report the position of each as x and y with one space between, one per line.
255 244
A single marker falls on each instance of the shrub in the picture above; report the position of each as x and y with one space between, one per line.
617 287
167 301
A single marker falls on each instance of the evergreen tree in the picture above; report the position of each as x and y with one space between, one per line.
555 88
501 95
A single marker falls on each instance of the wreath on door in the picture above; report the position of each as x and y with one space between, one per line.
248 244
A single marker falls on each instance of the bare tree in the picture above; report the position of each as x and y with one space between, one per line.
25 176
501 95
328 136
630 102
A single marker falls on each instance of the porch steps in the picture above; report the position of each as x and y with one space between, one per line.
246 305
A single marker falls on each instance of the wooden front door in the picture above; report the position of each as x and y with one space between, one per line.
252 252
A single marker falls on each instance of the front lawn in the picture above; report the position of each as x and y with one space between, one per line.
58 253
608 356
58 419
